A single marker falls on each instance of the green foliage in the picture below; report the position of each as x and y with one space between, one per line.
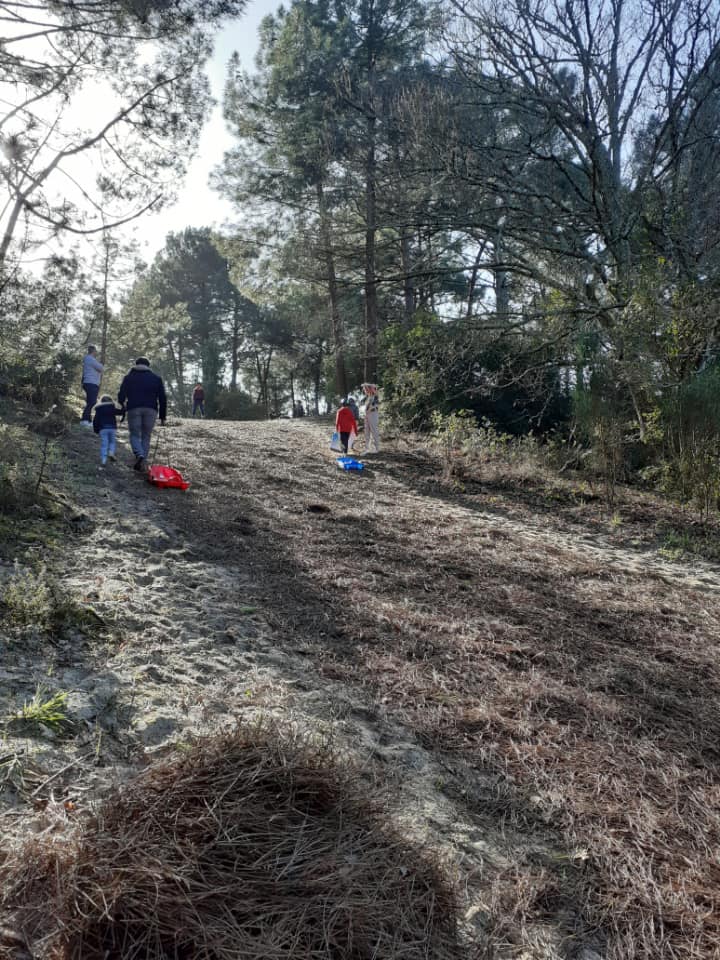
450 434
465 445
426 369
42 379
434 366
34 598
26 599
689 542
36 364
487 443
691 418
24 457
46 710
603 421
237 405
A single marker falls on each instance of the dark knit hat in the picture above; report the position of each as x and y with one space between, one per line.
142 362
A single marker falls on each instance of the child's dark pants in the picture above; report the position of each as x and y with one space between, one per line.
344 440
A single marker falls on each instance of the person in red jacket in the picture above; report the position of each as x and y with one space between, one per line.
198 400
345 424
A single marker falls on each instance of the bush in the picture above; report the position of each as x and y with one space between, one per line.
41 380
236 405
451 432
449 367
691 420
17 469
36 599
604 422
24 460
464 444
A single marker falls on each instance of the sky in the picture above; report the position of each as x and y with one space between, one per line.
197 204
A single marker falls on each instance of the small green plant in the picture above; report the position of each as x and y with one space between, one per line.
26 599
36 599
676 545
451 432
46 710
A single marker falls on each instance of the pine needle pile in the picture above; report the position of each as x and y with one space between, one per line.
250 845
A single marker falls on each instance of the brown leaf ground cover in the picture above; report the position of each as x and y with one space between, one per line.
253 844
556 664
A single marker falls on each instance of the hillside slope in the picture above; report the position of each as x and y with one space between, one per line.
540 684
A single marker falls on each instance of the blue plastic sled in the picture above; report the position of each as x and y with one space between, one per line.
347 463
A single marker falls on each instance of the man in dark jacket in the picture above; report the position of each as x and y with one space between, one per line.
142 393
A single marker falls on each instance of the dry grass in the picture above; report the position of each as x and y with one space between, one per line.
519 632
580 699
253 844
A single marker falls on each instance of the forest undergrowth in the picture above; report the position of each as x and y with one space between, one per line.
536 673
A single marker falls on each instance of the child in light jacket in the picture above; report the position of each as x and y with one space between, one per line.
105 424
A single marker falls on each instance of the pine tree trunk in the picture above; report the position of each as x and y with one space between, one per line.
502 292
371 308
235 343
336 325
106 309
408 288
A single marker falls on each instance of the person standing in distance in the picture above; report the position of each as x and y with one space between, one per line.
372 417
92 371
198 400
142 393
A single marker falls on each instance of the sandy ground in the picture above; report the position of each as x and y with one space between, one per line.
471 644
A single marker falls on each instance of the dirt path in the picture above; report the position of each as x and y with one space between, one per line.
432 634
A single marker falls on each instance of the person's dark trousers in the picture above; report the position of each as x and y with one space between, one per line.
199 405
344 440
91 395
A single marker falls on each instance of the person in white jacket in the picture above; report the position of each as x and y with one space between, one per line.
372 416
92 372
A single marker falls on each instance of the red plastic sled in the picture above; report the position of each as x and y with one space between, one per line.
167 477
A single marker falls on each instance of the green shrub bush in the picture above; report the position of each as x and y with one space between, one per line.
690 418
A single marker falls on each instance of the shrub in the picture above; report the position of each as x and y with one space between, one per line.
450 434
447 367
47 710
41 380
24 459
236 405
464 443
35 599
26 599
691 420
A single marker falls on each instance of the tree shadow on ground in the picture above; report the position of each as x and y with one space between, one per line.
565 702
638 522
